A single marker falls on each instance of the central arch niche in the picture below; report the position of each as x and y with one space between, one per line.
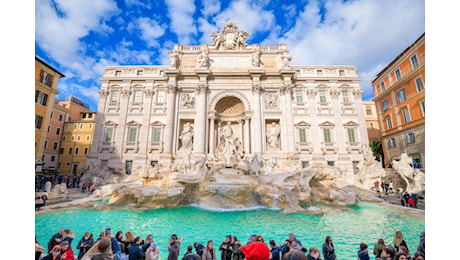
229 106
229 111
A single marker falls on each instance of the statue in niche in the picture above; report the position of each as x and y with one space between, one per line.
271 100
229 146
186 136
188 100
286 59
255 59
273 136
203 59
173 59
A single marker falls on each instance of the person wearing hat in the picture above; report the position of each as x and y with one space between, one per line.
256 251
103 250
152 252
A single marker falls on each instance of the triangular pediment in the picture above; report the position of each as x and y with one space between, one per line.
351 124
157 123
110 123
133 123
302 124
326 124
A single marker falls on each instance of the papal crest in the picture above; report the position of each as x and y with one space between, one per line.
230 37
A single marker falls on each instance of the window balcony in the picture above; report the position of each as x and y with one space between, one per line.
131 146
329 147
304 146
353 147
156 146
107 146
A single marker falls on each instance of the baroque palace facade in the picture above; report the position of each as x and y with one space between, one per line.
230 98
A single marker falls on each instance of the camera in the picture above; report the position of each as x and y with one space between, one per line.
108 231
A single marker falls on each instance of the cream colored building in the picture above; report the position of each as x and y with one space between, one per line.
372 121
230 95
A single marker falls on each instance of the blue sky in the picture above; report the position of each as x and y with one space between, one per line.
81 37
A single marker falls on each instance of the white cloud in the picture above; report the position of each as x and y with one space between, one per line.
361 33
60 25
150 30
182 22
210 7
250 17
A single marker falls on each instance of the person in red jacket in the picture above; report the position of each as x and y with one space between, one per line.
411 203
256 251
66 251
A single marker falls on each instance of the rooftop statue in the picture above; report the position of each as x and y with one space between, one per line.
230 38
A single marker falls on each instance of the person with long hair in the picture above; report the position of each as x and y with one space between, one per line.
129 240
209 252
405 250
328 249
399 240
378 248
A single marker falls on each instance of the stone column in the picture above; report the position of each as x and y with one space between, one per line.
246 139
257 134
99 133
212 137
286 91
199 130
169 128
144 132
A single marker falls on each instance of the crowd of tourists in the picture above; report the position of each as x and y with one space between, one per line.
130 247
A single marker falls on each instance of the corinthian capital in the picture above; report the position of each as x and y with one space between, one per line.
103 93
171 87
201 88
286 88
357 93
311 93
149 92
335 93
257 89
125 92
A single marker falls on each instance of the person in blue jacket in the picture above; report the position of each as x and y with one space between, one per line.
363 254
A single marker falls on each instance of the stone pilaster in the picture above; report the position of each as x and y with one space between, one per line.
199 131
256 120
286 91
171 90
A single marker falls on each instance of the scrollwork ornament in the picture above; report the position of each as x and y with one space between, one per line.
149 92
171 87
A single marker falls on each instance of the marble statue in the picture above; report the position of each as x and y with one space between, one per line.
255 59
173 59
186 136
229 146
286 59
203 59
273 135
217 38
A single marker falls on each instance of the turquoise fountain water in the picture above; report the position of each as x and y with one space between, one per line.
367 223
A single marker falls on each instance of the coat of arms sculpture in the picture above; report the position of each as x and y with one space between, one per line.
230 38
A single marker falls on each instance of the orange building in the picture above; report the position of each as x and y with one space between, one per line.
55 128
399 91
76 143
46 81
372 121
